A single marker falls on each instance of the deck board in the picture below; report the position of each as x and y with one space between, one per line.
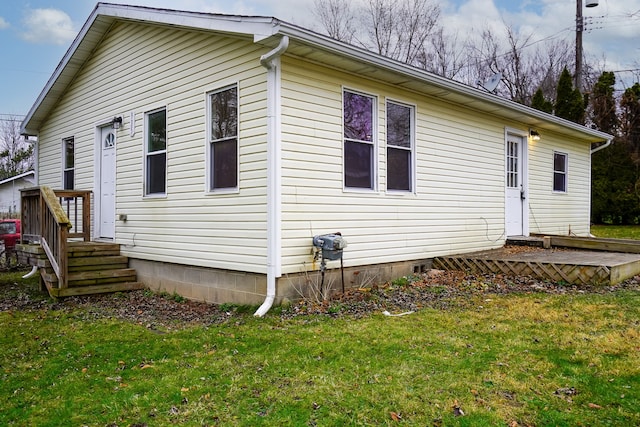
580 267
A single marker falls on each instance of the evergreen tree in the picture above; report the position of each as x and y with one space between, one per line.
615 177
540 103
569 101
630 119
604 114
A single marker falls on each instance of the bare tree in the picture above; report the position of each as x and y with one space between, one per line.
399 29
443 55
524 64
337 18
409 31
16 154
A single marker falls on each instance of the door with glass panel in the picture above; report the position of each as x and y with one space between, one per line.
515 185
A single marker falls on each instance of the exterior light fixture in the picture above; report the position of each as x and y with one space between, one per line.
117 122
592 3
535 136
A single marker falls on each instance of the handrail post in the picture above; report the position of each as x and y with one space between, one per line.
41 208
86 216
64 258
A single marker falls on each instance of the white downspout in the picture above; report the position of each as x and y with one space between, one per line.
271 61
595 150
602 147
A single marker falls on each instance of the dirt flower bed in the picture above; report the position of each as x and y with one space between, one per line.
161 311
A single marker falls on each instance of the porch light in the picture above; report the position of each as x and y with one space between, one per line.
117 122
535 136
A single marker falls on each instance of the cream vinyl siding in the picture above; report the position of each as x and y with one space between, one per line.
555 212
458 205
138 68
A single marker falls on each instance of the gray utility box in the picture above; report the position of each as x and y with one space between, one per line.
331 245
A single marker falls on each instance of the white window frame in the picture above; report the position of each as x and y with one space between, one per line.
565 172
373 142
411 149
65 167
209 142
158 152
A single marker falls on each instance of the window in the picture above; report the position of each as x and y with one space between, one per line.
68 166
560 172
156 152
359 164
223 139
399 147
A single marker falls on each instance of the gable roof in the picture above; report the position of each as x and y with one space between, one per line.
302 43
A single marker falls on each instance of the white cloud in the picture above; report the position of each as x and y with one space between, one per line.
3 24
50 26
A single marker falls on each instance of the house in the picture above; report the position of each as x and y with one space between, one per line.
217 146
10 192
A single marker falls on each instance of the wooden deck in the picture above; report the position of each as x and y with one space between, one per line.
597 266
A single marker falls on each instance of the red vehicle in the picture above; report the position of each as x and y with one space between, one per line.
10 233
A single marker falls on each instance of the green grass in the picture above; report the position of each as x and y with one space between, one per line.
616 231
501 359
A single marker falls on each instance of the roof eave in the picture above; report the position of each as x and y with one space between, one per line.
447 85
103 16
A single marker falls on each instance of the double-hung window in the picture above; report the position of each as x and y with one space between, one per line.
359 140
400 119
560 172
156 152
68 167
223 139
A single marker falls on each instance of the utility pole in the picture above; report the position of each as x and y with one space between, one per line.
579 30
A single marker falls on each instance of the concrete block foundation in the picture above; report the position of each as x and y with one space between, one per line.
226 286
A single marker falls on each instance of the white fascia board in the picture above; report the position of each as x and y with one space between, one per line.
13 178
58 71
376 60
233 24
256 26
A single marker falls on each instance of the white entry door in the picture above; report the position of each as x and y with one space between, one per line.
515 209
107 181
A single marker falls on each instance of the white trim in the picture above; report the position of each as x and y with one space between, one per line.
261 28
64 162
374 142
525 175
566 172
14 178
97 173
97 177
412 148
208 142
145 133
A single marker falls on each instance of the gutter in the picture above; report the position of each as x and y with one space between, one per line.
271 61
602 147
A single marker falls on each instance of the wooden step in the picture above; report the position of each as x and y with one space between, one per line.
94 289
101 267
90 249
89 278
114 262
92 260
96 277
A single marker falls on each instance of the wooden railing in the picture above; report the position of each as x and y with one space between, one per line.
45 219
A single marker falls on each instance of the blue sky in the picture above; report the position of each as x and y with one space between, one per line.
35 34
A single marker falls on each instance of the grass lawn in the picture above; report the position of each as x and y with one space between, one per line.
616 231
492 360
